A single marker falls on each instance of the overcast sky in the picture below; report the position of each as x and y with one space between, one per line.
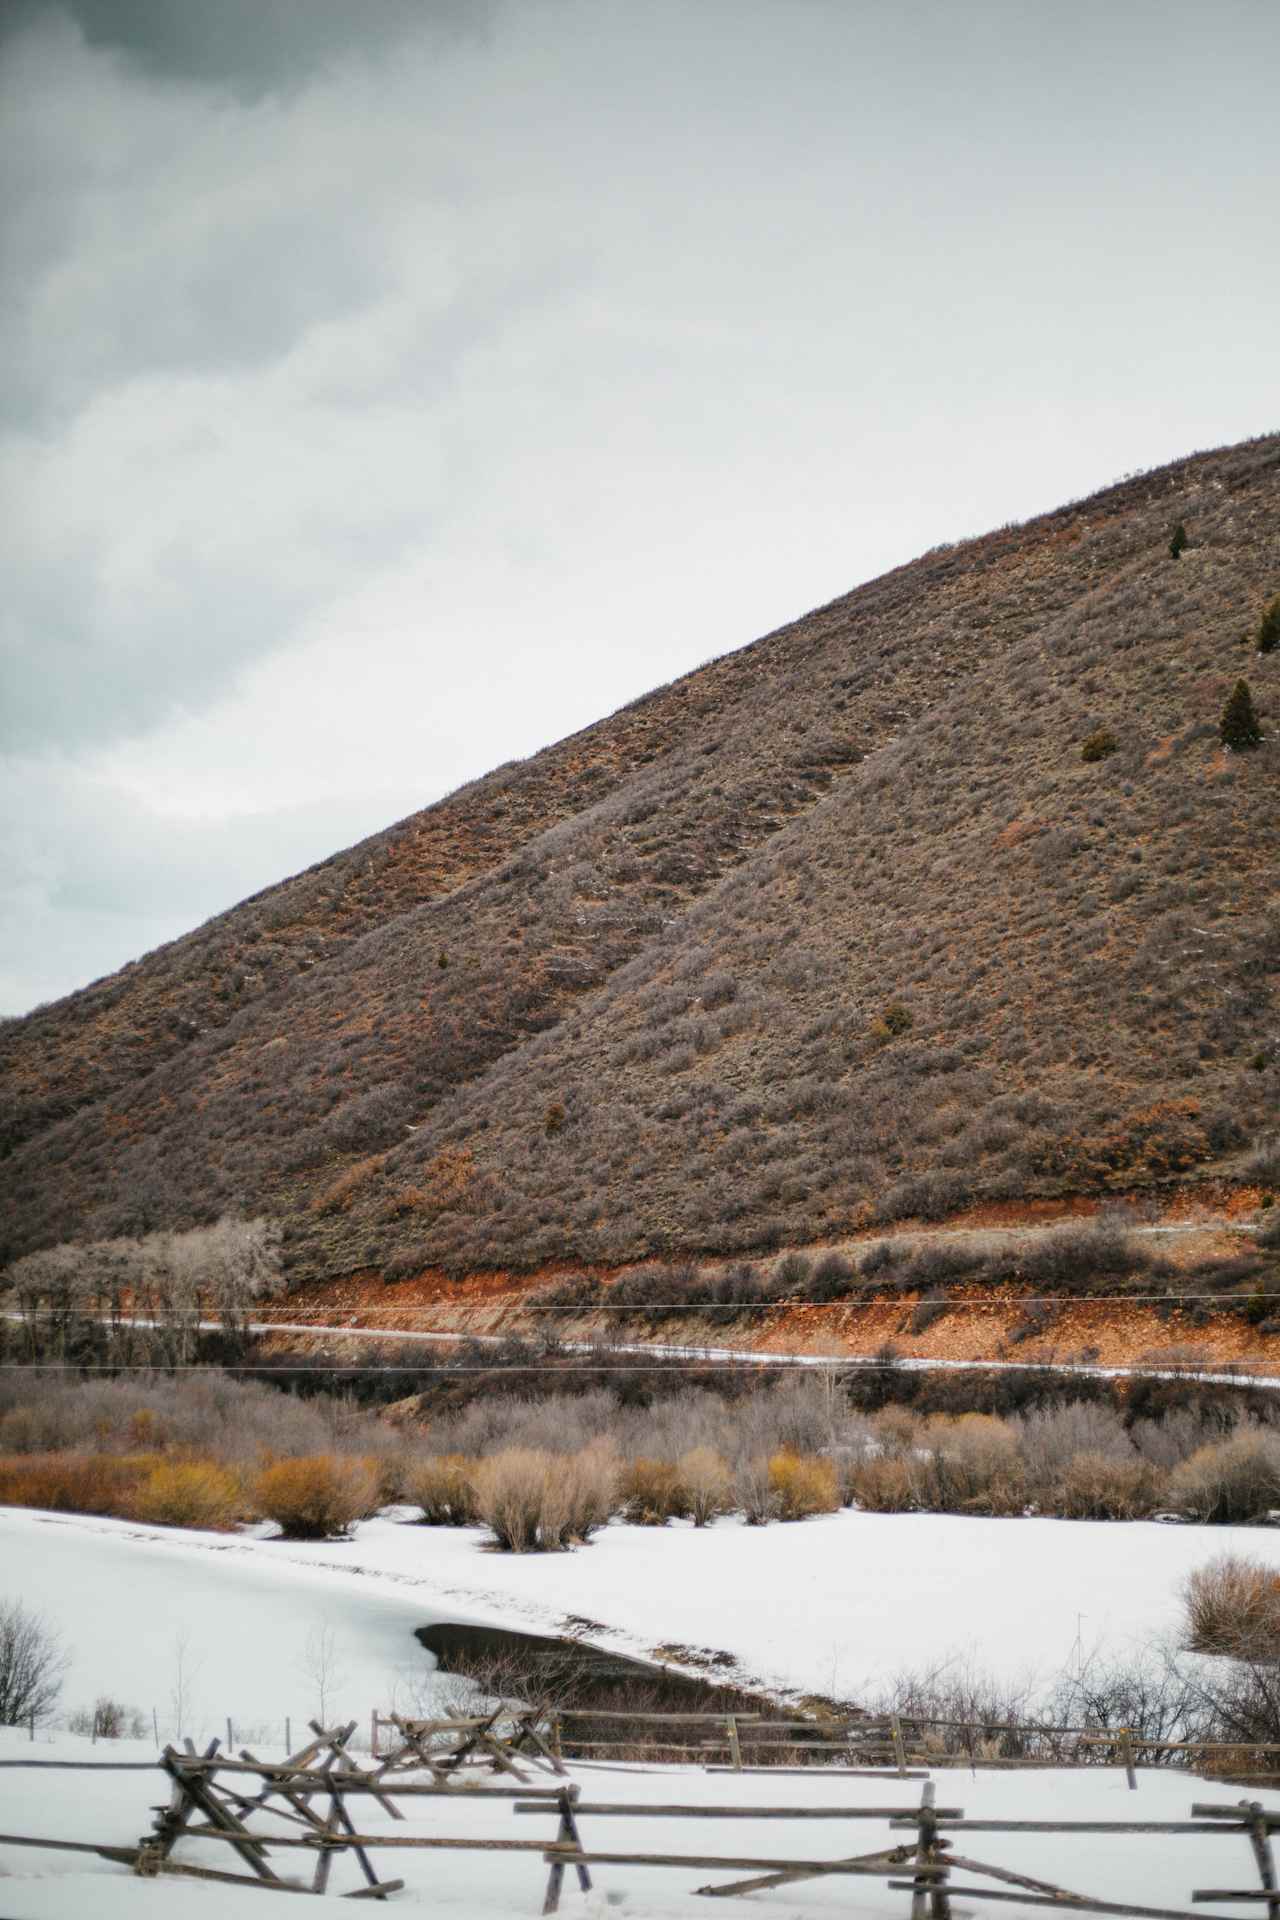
393 386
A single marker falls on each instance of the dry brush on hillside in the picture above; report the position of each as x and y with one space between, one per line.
848 927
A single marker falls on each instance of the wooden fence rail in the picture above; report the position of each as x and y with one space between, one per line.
221 1799
896 1742
303 1807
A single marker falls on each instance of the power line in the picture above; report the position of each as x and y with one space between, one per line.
722 1360
713 1306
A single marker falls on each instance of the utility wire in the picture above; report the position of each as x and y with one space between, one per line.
701 1306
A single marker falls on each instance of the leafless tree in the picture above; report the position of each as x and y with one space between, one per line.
320 1663
32 1665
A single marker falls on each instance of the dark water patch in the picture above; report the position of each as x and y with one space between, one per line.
577 1676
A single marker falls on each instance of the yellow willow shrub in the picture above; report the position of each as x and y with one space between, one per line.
804 1484
74 1482
190 1493
317 1496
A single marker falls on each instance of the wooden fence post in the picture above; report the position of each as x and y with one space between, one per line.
735 1750
1260 1840
373 1733
566 1834
899 1749
926 1830
1126 1757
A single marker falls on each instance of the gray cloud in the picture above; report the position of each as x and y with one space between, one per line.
390 388
95 876
250 46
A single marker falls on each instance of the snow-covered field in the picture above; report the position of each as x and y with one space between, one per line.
1152 1870
202 1626
832 1605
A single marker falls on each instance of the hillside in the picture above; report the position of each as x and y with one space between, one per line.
840 928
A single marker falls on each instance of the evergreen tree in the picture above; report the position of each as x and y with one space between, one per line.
1269 628
1239 725
1179 543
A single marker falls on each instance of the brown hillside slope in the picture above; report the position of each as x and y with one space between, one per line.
631 995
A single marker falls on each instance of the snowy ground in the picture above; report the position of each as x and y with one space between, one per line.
831 1605
113 1808
202 1626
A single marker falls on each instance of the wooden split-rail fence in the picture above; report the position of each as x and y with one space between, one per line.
310 1800
748 1742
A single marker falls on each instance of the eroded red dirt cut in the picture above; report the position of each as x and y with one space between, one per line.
977 1322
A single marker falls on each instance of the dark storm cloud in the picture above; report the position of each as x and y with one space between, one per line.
250 46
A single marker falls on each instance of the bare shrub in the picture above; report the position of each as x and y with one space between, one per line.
107 1719
209 1415
538 1502
589 1481
1156 1697
1096 1486
981 1705
1167 1442
653 1492
1240 1701
969 1464
511 1494
1230 1482
443 1486
896 1429
1232 1606
1071 1259
804 1485
707 1484
1050 1436
884 1484
753 1490
189 1493
930 1307
1263 1164
341 1192
32 1665
318 1497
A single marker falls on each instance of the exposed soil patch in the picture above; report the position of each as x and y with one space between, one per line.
1186 1226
